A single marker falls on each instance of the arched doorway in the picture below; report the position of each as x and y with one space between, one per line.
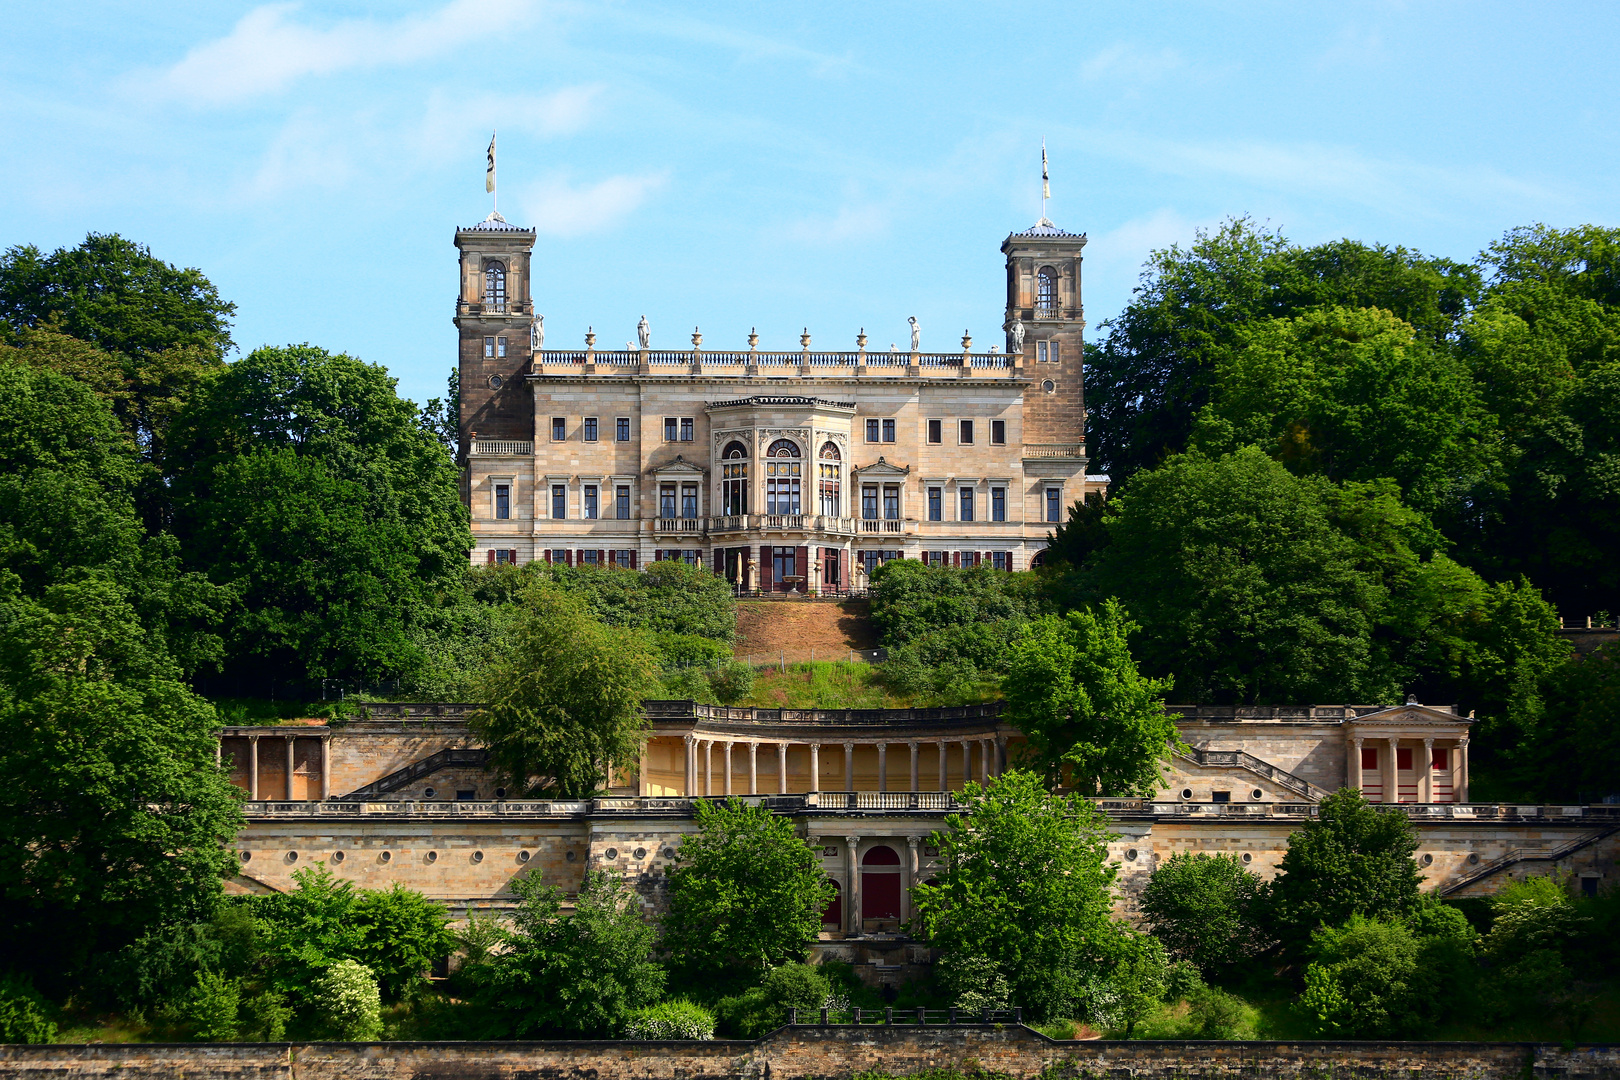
832 917
880 884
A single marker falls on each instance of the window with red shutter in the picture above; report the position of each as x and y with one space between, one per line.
491 554
1369 757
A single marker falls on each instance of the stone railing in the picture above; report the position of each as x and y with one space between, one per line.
501 448
776 364
1241 760
1054 450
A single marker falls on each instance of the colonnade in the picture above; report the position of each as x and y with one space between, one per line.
1389 770
291 740
850 896
700 754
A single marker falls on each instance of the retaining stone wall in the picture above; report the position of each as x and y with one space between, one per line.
828 1053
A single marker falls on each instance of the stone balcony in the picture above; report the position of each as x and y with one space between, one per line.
757 524
756 364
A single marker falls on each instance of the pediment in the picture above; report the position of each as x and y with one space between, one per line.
678 467
1409 716
883 468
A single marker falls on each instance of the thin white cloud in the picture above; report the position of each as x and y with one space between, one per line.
851 223
452 122
268 50
1122 62
558 208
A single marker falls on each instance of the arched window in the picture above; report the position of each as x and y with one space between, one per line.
734 451
734 479
1046 292
495 287
831 483
783 475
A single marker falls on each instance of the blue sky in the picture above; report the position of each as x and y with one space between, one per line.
830 166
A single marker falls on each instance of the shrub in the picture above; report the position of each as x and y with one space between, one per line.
673 1019
765 1007
263 1017
1215 1014
348 1003
1365 981
209 1010
732 682
1206 910
22 1014
402 935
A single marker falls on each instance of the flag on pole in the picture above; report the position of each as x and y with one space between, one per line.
489 168
1046 181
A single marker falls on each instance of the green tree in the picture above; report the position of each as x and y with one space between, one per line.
578 975
347 1002
1024 883
1207 909
746 895
563 699
306 483
765 1008
304 931
402 935
1366 981
1091 718
1351 859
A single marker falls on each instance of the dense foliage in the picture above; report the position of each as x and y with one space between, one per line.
1208 910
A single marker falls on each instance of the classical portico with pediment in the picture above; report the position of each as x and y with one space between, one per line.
1408 753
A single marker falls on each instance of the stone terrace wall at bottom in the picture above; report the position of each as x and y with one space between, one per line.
812 1052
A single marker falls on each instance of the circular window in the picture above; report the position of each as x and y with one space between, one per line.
428 793
337 856
1130 854
494 382
247 855
669 853
641 853
1426 860
292 856
500 793
523 856
432 856
1049 386
1248 858
1186 793
478 856
610 854
386 856
569 856
1473 858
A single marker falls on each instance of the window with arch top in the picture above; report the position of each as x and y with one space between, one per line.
1046 292
783 448
831 486
495 286
783 478
734 451
734 478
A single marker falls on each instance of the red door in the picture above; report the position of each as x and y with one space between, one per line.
880 884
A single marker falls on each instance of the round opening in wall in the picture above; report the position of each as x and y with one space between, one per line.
523 856
246 855
337 857
500 793
570 856
1257 794
1247 857
478 856
1048 386
292 856
1130 854
1473 858
641 853
428 793
1186 793
385 856
669 853
1426 859
432 856
610 854
494 382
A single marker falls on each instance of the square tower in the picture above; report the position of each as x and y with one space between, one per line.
1043 297
494 314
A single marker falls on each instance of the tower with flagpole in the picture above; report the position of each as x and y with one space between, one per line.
1046 180
489 181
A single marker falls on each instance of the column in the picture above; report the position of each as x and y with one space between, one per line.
1352 765
849 766
689 746
781 768
852 895
815 766
1426 776
728 766
708 765
753 768
883 766
1392 775
1001 754
913 746
1460 789
943 786
984 759
292 743
909 870
253 767
967 762
219 752
326 767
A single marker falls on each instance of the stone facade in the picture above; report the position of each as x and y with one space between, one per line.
784 471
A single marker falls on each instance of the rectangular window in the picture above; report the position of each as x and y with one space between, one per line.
671 429
872 431
590 502
1052 356
623 429
500 346
588 556
888 431
784 563
998 432
1369 757
1403 758
869 503
590 429
998 559
967 504
559 429
891 503
489 348
666 500
965 432
1054 504
622 498
686 429
998 504
936 510
1040 352
502 555
559 556
503 501
936 558
559 501
936 431
1220 796
626 558
689 501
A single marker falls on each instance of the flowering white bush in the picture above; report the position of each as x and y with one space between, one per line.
349 1003
677 1019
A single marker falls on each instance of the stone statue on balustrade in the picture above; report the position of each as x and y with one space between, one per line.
916 332
644 332
537 334
1015 337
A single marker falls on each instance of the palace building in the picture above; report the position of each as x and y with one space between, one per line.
784 471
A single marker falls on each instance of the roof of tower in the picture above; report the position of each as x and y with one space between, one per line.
493 223
1044 228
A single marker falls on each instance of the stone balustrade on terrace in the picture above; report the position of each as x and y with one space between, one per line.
803 364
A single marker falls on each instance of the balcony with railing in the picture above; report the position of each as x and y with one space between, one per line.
681 525
698 361
884 527
501 448
1054 450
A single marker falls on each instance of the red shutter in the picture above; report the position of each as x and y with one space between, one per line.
568 554
765 566
511 556
632 560
613 558
956 559
548 554
491 554
658 554
601 558
801 566
719 561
